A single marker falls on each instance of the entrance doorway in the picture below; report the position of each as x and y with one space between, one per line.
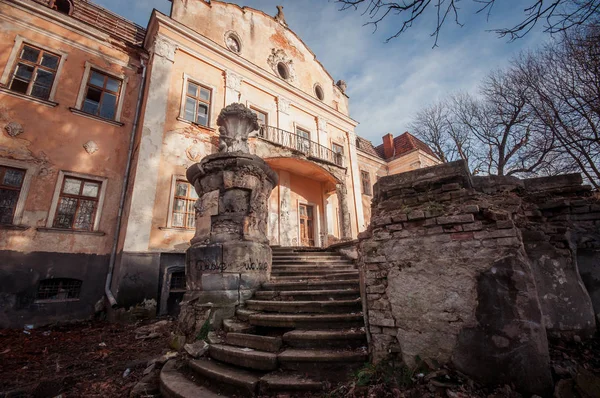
307 226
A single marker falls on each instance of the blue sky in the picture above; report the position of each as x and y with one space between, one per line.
387 82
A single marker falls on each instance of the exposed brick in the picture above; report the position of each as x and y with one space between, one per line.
376 289
457 219
471 209
508 242
416 215
475 226
499 233
374 259
400 218
435 230
504 224
429 222
375 329
390 331
462 236
451 187
395 227
452 228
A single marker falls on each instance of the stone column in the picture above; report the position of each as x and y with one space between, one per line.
357 194
230 254
233 87
342 194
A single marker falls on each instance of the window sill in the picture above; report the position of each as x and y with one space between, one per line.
14 227
15 94
94 117
70 231
177 229
182 120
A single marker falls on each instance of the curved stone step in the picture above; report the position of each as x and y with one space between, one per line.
308 258
298 359
325 338
314 261
230 376
302 295
276 382
174 384
311 285
262 343
336 276
307 321
243 314
312 272
319 307
244 357
235 326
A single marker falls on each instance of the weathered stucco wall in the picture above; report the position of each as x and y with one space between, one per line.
52 140
473 270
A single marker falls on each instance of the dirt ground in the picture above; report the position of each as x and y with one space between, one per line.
87 359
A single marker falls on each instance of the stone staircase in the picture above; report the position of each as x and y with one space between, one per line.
302 330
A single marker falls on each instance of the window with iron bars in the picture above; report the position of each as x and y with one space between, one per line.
59 289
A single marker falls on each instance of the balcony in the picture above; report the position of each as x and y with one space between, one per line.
302 144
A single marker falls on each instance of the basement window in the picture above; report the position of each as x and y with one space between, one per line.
177 282
59 289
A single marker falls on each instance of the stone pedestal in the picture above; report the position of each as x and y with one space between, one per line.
230 254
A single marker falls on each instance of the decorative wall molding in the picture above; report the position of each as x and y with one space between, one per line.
14 129
233 80
91 147
283 105
164 47
277 56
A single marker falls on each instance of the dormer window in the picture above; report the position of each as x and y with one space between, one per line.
63 6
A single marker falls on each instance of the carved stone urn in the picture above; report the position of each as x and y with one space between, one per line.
230 254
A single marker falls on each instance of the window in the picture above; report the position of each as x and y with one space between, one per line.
197 104
64 6
283 71
11 181
262 117
303 140
338 153
365 180
233 42
77 204
177 281
184 212
59 289
34 72
319 92
101 95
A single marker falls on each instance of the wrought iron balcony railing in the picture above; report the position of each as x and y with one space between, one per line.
302 144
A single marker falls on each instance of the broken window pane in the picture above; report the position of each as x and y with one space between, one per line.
109 106
202 117
65 213
50 61
85 215
182 189
30 54
13 177
90 189
8 202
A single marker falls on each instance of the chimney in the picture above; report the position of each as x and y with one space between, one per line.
388 145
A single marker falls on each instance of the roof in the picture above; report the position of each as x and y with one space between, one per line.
404 144
367 147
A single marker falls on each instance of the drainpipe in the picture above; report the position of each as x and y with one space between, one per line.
113 253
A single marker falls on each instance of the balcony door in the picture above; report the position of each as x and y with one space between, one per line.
307 226
302 140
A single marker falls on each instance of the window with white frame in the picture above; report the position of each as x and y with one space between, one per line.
34 72
197 103
101 94
183 198
15 179
365 180
77 203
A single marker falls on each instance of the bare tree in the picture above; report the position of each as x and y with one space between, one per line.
558 15
564 80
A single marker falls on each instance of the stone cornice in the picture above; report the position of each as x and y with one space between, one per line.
158 19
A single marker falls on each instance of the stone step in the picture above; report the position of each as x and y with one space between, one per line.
305 276
318 307
244 357
243 314
312 267
231 376
236 326
309 321
325 338
311 285
278 382
317 271
298 359
262 343
280 257
303 295
299 261
173 384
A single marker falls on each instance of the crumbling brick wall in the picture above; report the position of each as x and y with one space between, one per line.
472 270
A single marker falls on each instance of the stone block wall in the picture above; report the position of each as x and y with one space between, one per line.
473 270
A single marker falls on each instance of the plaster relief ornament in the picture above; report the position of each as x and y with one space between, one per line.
91 147
193 152
14 129
279 60
236 122
280 17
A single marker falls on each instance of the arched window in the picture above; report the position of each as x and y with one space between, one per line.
59 289
64 6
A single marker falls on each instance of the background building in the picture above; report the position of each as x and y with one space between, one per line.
79 69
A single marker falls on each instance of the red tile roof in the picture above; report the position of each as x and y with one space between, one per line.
366 146
404 144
